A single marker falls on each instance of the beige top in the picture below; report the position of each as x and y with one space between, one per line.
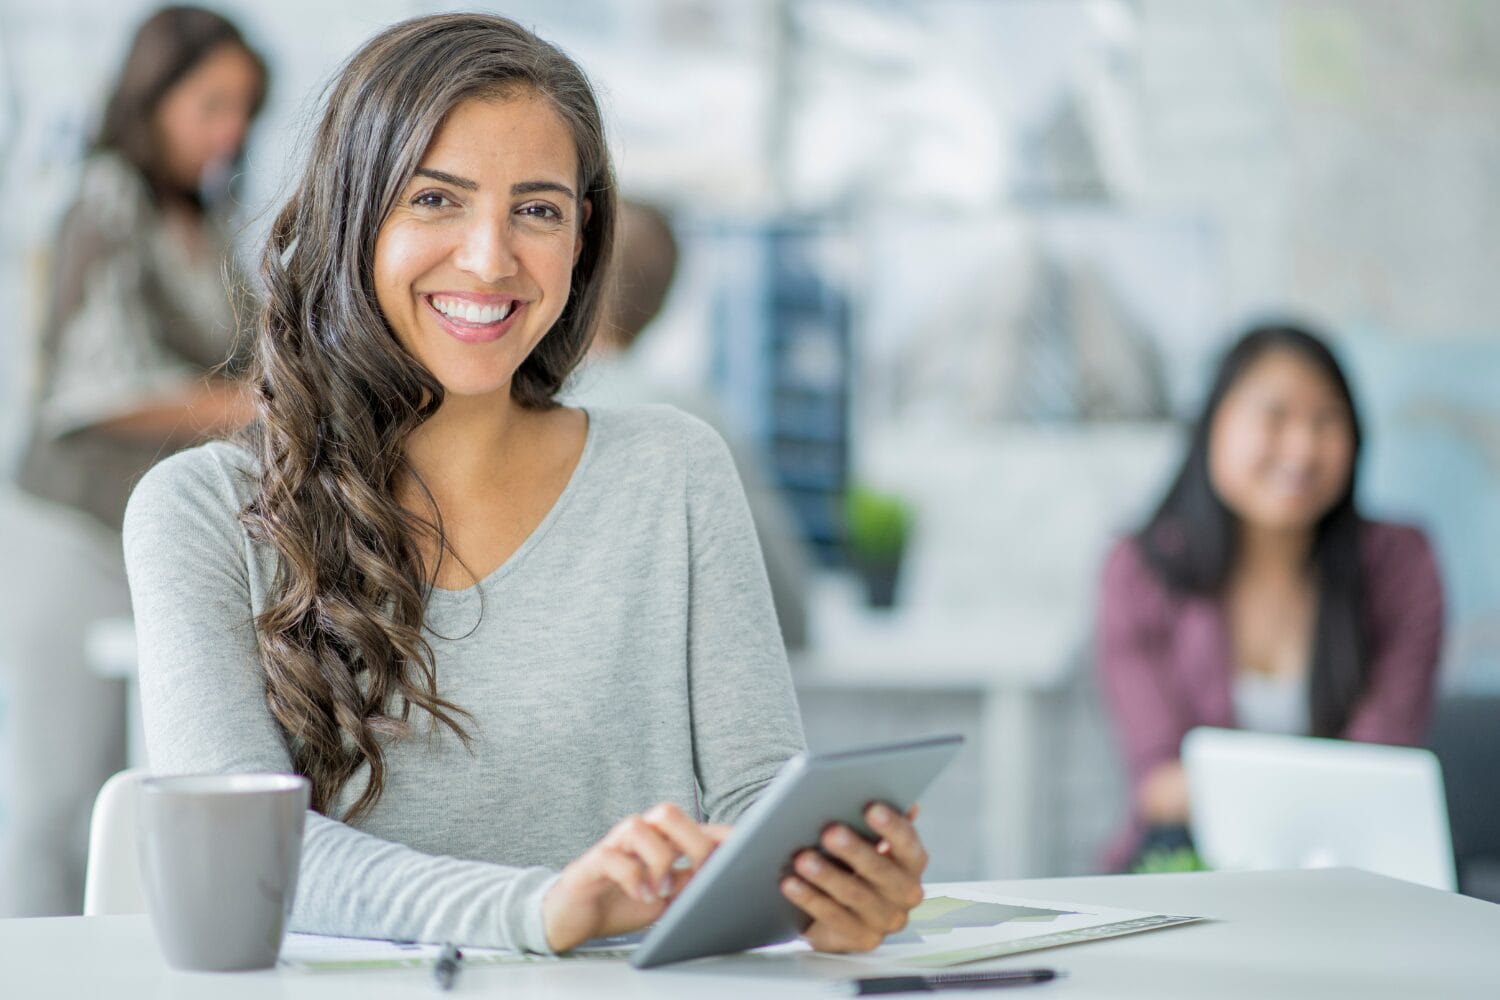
131 315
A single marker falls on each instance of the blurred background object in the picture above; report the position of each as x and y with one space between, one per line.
1463 737
645 267
980 256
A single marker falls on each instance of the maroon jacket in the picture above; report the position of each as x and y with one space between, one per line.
1166 662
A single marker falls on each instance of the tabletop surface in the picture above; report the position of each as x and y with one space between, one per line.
1324 934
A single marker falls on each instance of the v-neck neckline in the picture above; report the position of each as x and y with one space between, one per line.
445 594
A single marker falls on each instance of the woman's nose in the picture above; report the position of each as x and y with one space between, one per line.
486 253
1300 441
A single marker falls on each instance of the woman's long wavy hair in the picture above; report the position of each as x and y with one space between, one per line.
341 637
1192 541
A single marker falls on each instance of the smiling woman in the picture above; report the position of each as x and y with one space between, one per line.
1257 595
480 247
486 626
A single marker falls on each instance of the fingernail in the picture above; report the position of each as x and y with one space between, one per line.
792 886
665 889
645 893
840 837
811 864
880 815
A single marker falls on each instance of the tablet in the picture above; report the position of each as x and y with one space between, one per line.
734 902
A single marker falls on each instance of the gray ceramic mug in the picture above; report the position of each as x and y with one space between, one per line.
219 858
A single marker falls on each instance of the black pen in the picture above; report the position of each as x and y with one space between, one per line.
993 979
446 969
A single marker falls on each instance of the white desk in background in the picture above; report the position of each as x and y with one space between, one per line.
1011 659
1289 935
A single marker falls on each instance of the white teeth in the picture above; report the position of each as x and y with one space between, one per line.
469 312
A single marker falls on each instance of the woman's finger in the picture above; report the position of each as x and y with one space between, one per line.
682 830
898 886
718 832
627 871
897 830
638 836
833 927
850 891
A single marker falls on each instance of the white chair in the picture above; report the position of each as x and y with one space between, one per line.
112 883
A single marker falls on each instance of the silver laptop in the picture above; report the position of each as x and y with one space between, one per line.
1261 801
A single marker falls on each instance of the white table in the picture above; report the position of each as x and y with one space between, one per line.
1010 660
1288 935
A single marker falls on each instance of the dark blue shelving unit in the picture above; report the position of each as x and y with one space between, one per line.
782 360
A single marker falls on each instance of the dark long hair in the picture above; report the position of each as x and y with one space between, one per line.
341 637
167 47
1192 541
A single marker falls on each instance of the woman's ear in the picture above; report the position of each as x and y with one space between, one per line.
583 225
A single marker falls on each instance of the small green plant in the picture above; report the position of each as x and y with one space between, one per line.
878 524
1166 860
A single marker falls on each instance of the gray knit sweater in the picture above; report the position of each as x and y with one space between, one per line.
626 654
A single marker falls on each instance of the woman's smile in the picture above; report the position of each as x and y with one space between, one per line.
474 318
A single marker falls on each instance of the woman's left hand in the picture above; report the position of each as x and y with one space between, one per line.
855 902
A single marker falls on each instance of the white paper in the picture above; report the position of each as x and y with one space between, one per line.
320 953
951 929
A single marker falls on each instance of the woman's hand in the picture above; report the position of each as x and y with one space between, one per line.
625 881
1163 794
856 902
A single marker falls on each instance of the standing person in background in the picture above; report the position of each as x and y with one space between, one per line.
646 252
139 326
1257 596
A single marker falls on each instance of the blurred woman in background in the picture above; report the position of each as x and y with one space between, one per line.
1257 596
139 325
139 311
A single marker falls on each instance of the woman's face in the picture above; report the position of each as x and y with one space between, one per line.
1281 445
203 118
474 264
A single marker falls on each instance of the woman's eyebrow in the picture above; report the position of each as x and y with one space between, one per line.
456 181
535 187
522 188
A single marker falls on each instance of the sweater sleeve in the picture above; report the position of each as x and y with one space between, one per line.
1132 662
744 713
203 701
1404 608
